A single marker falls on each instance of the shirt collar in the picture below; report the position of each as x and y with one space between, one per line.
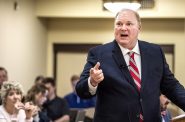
135 49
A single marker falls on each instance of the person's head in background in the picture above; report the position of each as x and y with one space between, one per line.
127 26
39 79
37 94
3 75
74 80
49 83
11 93
164 101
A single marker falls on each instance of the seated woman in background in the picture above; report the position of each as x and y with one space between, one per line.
12 109
37 95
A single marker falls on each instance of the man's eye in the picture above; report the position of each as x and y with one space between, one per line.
129 24
119 24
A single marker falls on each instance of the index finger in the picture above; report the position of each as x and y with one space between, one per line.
96 67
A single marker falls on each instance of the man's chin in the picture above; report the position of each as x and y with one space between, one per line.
124 42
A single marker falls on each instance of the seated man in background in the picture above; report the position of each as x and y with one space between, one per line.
75 101
164 101
39 79
56 107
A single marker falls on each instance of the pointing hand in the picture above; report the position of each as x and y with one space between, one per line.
96 75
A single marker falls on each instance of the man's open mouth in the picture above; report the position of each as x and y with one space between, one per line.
124 35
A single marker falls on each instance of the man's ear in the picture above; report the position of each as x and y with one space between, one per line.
139 27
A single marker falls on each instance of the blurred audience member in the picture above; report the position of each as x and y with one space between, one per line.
3 77
12 109
164 101
37 95
39 79
56 107
74 100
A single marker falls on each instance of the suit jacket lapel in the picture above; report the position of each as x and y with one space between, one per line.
120 61
144 58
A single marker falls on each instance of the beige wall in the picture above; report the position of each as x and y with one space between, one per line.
77 31
93 9
22 41
69 64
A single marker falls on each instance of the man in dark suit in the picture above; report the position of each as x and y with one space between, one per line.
128 76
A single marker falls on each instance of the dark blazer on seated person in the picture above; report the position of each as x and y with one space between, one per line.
74 101
118 99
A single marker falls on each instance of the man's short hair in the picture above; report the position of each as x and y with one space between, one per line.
49 80
136 14
75 77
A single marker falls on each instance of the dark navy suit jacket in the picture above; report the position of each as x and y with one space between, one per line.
118 99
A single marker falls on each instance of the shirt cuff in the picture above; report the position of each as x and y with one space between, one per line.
92 89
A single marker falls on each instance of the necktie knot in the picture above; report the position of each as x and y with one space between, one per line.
131 54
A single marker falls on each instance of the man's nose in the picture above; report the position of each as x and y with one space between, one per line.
124 27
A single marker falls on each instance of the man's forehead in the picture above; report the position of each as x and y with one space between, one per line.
126 14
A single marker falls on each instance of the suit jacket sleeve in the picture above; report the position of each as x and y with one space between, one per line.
171 87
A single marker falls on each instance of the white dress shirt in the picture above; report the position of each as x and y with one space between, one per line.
126 56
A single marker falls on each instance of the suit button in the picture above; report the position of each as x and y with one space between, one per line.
141 99
138 115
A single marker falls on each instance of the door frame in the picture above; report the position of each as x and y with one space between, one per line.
69 47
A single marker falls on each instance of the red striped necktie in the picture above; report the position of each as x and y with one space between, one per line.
135 75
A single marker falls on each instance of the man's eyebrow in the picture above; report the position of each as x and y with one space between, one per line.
130 21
